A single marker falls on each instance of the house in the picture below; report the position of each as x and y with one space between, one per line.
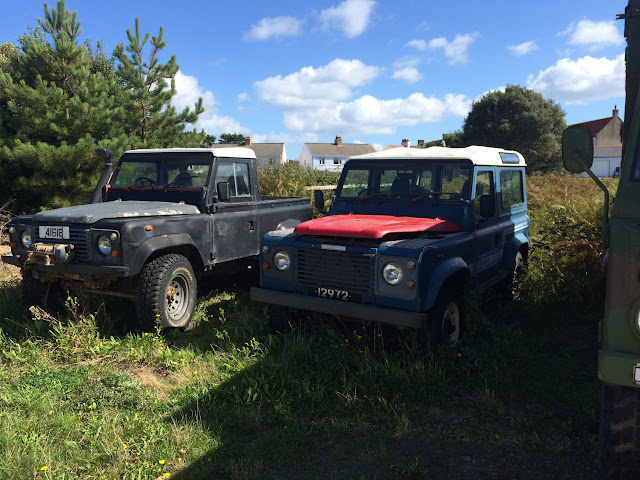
607 144
331 156
266 153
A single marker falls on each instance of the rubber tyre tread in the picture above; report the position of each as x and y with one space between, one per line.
619 445
280 318
151 291
38 294
434 327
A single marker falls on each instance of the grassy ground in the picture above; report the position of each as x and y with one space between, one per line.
82 395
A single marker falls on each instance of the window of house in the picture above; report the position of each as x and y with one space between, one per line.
336 161
511 188
321 161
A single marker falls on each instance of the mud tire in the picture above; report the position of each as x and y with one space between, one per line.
280 318
619 445
166 293
446 319
47 296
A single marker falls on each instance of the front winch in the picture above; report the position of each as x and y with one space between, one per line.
45 254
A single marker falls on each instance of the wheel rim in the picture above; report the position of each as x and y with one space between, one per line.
177 297
451 323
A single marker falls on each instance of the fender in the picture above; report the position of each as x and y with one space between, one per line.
154 244
440 275
510 250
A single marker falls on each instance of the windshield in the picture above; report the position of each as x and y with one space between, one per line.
437 182
163 170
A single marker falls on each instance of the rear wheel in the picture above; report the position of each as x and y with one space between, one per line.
620 433
445 319
166 293
511 286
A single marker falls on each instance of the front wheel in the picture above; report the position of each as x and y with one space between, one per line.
445 319
619 446
46 295
166 293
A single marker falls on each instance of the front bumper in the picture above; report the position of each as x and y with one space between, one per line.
68 268
619 369
341 309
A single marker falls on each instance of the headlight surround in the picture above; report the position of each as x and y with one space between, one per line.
104 245
282 260
392 273
25 238
636 318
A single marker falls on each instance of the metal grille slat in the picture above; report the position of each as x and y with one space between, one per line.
79 238
353 272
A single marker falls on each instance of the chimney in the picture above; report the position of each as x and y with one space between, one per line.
406 143
421 143
615 111
247 141
338 141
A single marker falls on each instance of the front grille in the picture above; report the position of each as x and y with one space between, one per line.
79 239
353 272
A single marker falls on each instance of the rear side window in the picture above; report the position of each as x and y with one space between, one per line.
511 187
237 175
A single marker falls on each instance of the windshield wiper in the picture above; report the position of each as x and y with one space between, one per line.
379 194
181 179
141 181
431 194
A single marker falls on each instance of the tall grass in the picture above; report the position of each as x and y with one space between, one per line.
83 396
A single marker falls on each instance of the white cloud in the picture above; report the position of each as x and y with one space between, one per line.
409 74
369 115
456 50
351 17
188 91
417 44
594 35
582 80
316 87
405 69
267 28
243 97
523 48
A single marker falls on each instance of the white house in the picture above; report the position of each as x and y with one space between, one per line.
607 144
331 156
266 153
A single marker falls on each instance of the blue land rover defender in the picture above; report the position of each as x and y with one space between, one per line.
409 231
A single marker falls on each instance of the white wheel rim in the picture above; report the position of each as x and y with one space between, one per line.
451 323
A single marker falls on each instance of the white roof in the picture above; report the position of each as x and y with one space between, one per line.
228 152
488 156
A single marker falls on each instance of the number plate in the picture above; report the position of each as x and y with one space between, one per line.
58 233
332 294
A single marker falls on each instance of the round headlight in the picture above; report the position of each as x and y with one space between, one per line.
637 319
12 229
282 260
26 238
104 245
392 273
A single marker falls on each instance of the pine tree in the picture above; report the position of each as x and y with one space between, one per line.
151 117
59 100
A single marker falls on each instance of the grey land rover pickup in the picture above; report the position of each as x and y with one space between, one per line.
154 224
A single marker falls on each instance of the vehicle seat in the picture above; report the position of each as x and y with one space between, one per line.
183 179
400 187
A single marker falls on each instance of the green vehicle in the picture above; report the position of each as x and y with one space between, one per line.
619 357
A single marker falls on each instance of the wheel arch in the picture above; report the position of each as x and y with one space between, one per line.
155 247
454 273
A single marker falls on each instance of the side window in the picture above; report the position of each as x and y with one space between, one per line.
511 188
237 174
484 186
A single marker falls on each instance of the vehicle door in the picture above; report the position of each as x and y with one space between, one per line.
488 237
234 222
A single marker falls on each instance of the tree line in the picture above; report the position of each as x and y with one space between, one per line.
515 118
61 98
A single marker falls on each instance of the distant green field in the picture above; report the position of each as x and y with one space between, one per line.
84 396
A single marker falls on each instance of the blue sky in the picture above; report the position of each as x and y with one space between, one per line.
370 71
